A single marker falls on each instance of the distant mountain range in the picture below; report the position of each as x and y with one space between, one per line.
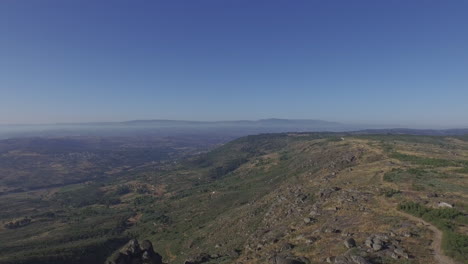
421 132
261 122
229 129
272 122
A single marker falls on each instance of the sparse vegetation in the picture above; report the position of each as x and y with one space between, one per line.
423 179
453 243
122 189
246 192
390 192
463 170
425 161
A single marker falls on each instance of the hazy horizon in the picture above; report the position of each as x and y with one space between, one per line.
363 123
357 125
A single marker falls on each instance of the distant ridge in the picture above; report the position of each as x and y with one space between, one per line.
194 122
270 121
416 132
228 129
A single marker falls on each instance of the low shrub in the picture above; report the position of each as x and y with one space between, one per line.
454 244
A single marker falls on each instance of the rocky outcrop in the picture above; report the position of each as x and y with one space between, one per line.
376 242
135 253
386 246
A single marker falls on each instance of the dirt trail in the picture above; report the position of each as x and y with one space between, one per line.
436 244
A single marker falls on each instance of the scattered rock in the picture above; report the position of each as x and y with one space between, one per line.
407 234
359 260
235 253
287 246
310 240
314 213
342 260
382 245
285 260
201 258
331 230
348 258
326 193
400 252
376 242
378 245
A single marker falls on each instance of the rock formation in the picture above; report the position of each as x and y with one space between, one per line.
134 253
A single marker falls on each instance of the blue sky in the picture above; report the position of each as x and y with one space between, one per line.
398 62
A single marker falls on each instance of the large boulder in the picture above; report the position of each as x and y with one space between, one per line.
350 242
377 242
134 253
131 248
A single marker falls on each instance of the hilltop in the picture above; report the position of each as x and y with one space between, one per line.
271 198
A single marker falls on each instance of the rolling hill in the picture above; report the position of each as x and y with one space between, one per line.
270 198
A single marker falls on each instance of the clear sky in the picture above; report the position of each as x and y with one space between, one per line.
399 61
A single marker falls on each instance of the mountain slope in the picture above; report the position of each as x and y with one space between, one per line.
272 197
307 193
